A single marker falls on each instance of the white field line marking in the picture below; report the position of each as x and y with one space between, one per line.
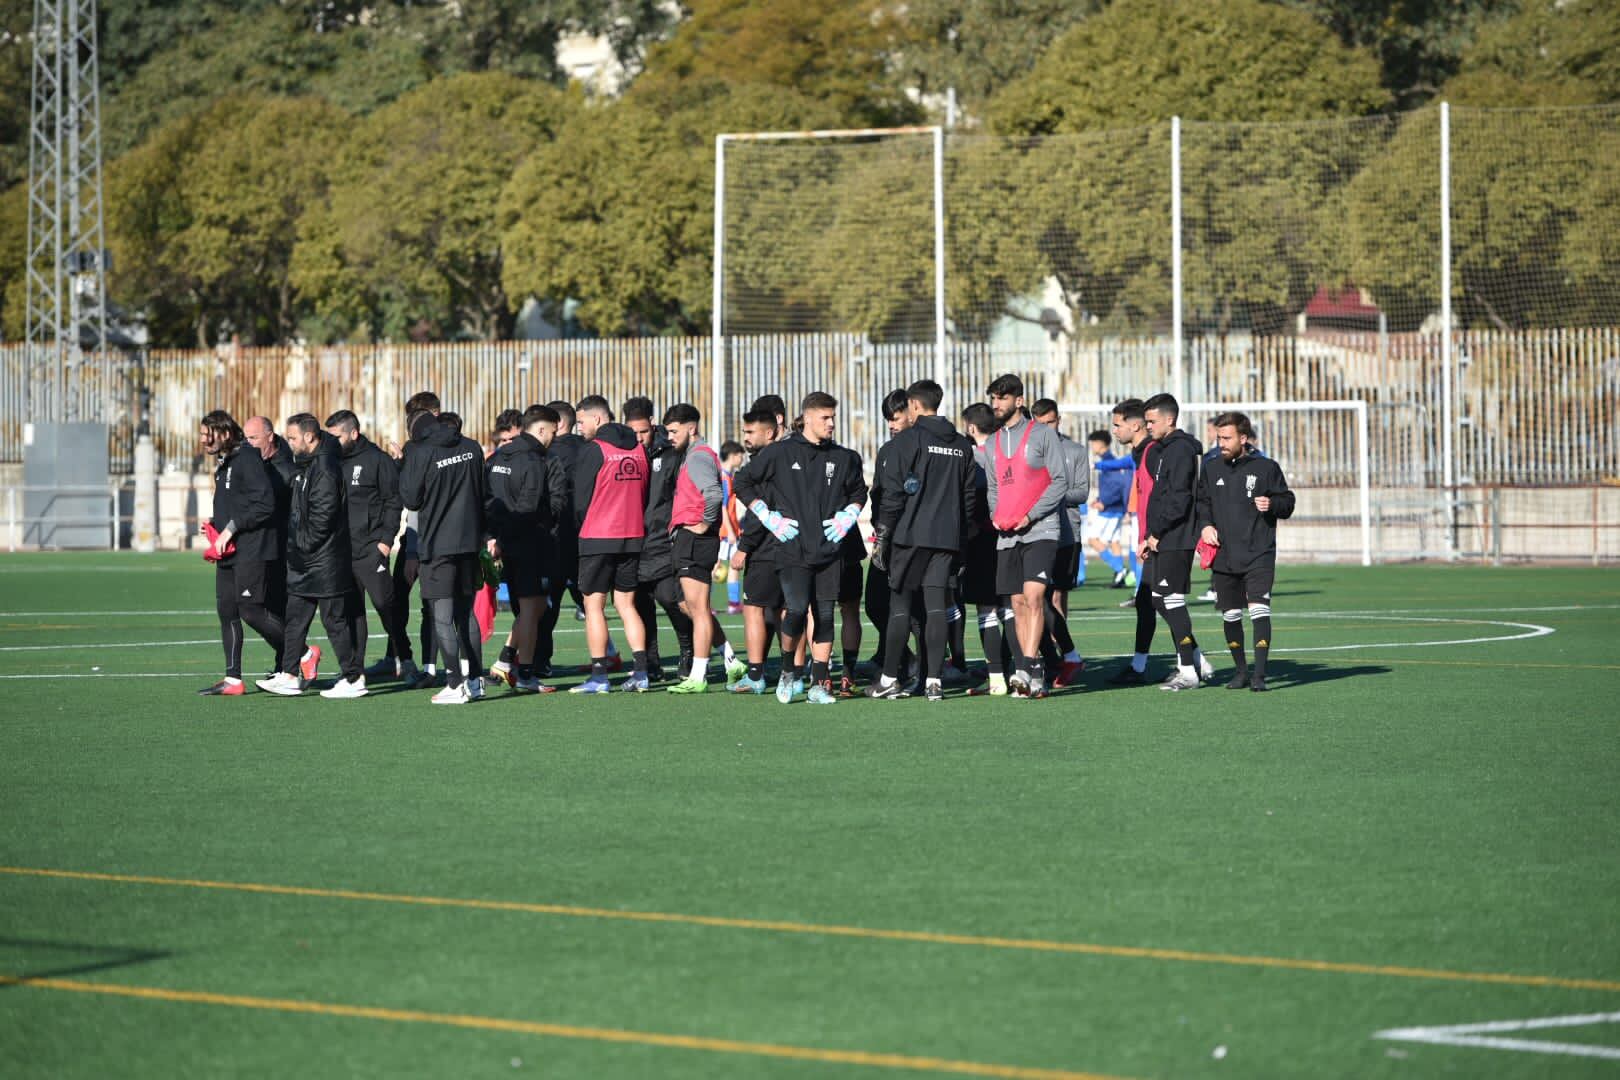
1531 630
1477 1035
119 675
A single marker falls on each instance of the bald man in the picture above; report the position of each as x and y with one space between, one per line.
260 434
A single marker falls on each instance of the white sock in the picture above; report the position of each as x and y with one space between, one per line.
232 682
432 669
1189 672
730 653
886 681
934 682
700 667
1139 662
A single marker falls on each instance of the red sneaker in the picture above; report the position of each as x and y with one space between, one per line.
223 688
1068 673
310 665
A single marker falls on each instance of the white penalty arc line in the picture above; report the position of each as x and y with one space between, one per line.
1531 630
1484 1037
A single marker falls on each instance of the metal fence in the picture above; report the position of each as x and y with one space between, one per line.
1535 407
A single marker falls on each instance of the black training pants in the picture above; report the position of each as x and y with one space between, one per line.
372 577
240 593
338 617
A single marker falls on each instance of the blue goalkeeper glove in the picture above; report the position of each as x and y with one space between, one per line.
783 528
837 527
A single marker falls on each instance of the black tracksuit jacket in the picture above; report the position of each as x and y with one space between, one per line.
658 549
443 481
245 502
318 562
1171 515
282 470
522 498
941 512
1226 494
563 455
806 481
371 489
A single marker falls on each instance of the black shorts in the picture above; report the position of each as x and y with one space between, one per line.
1168 572
1025 562
851 582
245 580
1066 567
913 567
613 571
449 576
523 568
762 584
979 572
696 554
811 585
1252 586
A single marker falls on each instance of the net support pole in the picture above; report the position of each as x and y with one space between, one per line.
941 356
1447 449
1176 386
1364 481
717 374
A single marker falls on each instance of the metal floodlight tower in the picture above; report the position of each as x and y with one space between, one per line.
67 257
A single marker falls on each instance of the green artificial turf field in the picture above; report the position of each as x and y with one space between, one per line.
1420 828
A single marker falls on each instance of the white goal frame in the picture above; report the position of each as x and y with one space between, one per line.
1351 405
941 355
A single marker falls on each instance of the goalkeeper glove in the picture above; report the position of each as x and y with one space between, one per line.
837 527
783 528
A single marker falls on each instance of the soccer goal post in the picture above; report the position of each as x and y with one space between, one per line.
831 237
1313 455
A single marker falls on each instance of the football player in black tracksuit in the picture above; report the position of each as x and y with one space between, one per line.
371 491
1167 553
656 586
278 456
244 515
897 415
319 576
1241 497
564 453
924 523
443 481
808 492
521 501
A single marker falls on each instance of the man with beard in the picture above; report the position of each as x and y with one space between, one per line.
371 493
319 575
521 501
1028 483
1171 536
243 547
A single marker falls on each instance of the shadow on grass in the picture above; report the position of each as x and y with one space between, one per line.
1281 674
59 959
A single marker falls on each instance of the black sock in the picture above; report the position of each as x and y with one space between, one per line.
639 661
819 670
598 667
990 638
851 658
508 655
1262 644
793 671
756 671
525 671
1179 620
957 631
1234 642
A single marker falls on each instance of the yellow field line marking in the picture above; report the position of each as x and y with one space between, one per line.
927 937
560 1031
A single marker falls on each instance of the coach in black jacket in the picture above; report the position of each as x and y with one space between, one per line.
371 492
563 455
923 524
1172 531
443 481
243 515
318 567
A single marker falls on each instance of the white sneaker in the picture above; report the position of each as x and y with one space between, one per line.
283 684
500 673
451 695
474 688
1180 681
1206 670
1208 596
346 689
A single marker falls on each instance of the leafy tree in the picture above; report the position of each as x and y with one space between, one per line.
1551 52
1419 43
202 227
618 212
834 51
409 232
977 46
16 16
13 262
